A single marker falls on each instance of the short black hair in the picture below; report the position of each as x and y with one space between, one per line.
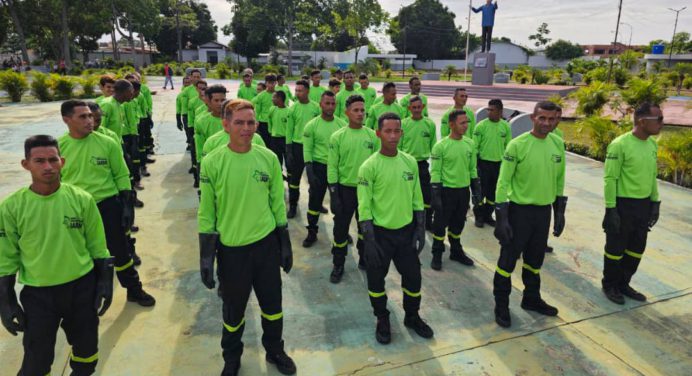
215 89
106 79
457 90
559 108
304 83
200 82
545 105
271 77
496 102
281 95
363 76
338 71
415 98
455 114
136 85
327 93
38 141
261 84
279 76
195 70
414 78
353 99
121 86
314 72
305 77
67 107
644 109
93 106
334 82
388 85
349 72
130 76
387 116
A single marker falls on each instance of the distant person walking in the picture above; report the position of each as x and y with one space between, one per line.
488 22
168 72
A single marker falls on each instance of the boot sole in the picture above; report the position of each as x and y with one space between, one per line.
422 335
503 323
614 300
532 309
142 303
383 340
283 371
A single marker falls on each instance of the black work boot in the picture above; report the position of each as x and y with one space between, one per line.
549 249
457 254
135 259
414 322
311 238
538 305
489 220
324 210
231 368
614 295
631 293
144 171
383 331
139 296
502 316
349 239
138 203
337 274
478 222
283 362
292 209
436 263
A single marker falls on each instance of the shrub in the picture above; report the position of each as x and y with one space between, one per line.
592 98
522 74
675 156
388 73
14 84
40 87
602 132
538 77
88 83
223 71
687 83
269 68
640 91
620 76
62 86
449 71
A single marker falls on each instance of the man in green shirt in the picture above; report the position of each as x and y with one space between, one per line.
281 86
262 103
392 221
113 114
131 135
106 83
344 93
453 172
178 108
491 136
532 178
420 135
334 86
631 201
52 236
302 111
196 108
209 125
349 147
187 94
146 124
316 137
96 114
414 84
279 117
242 224
368 93
247 90
95 164
388 104
315 89
460 98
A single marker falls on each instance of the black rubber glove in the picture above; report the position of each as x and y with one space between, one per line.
419 231
373 255
335 199
104 284
183 117
476 194
611 221
503 231
654 213
310 173
207 254
559 207
179 122
285 248
289 156
436 199
11 313
127 199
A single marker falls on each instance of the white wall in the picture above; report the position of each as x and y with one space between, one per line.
439 64
506 54
539 60
190 55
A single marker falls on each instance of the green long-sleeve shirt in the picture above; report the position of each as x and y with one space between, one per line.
381 108
262 103
195 108
315 93
179 102
95 164
148 102
50 240
278 121
132 116
242 195
532 170
389 190
222 138
247 92
301 114
630 169
287 91
406 100
341 98
188 93
368 95
107 132
559 133
112 116
348 149
316 138
206 127
453 162
444 122
419 138
491 139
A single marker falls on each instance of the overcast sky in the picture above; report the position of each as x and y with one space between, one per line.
581 21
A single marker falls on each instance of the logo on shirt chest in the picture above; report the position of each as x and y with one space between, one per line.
260 176
72 222
408 176
98 161
369 145
556 158
3 234
363 182
425 134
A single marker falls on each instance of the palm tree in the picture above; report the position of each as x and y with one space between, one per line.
449 71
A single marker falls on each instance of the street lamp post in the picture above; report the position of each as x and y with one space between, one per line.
675 29
180 36
629 44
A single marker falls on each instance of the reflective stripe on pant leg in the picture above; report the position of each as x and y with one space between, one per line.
89 359
232 328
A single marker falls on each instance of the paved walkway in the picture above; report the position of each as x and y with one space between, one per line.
329 328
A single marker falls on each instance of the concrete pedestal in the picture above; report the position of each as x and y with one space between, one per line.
483 68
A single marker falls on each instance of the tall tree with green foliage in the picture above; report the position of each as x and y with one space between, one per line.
14 12
541 37
361 16
564 50
251 27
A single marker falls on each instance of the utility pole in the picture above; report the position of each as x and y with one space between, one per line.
403 67
675 29
180 34
468 38
617 30
629 45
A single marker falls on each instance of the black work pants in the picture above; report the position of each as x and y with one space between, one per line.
486 38
396 247
295 173
318 188
263 130
342 222
242 269
133 156
455 204
188 134
530 225
119 243
278 146
146 137
70 306
488 172
424 178
624 250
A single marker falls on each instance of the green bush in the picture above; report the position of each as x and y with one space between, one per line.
687 83
596 74
522 74
388 73
62 86
602 132
223 71
675 156
40 86
639 91
269 68
620 76
592 98
14 84
88 83
538 77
